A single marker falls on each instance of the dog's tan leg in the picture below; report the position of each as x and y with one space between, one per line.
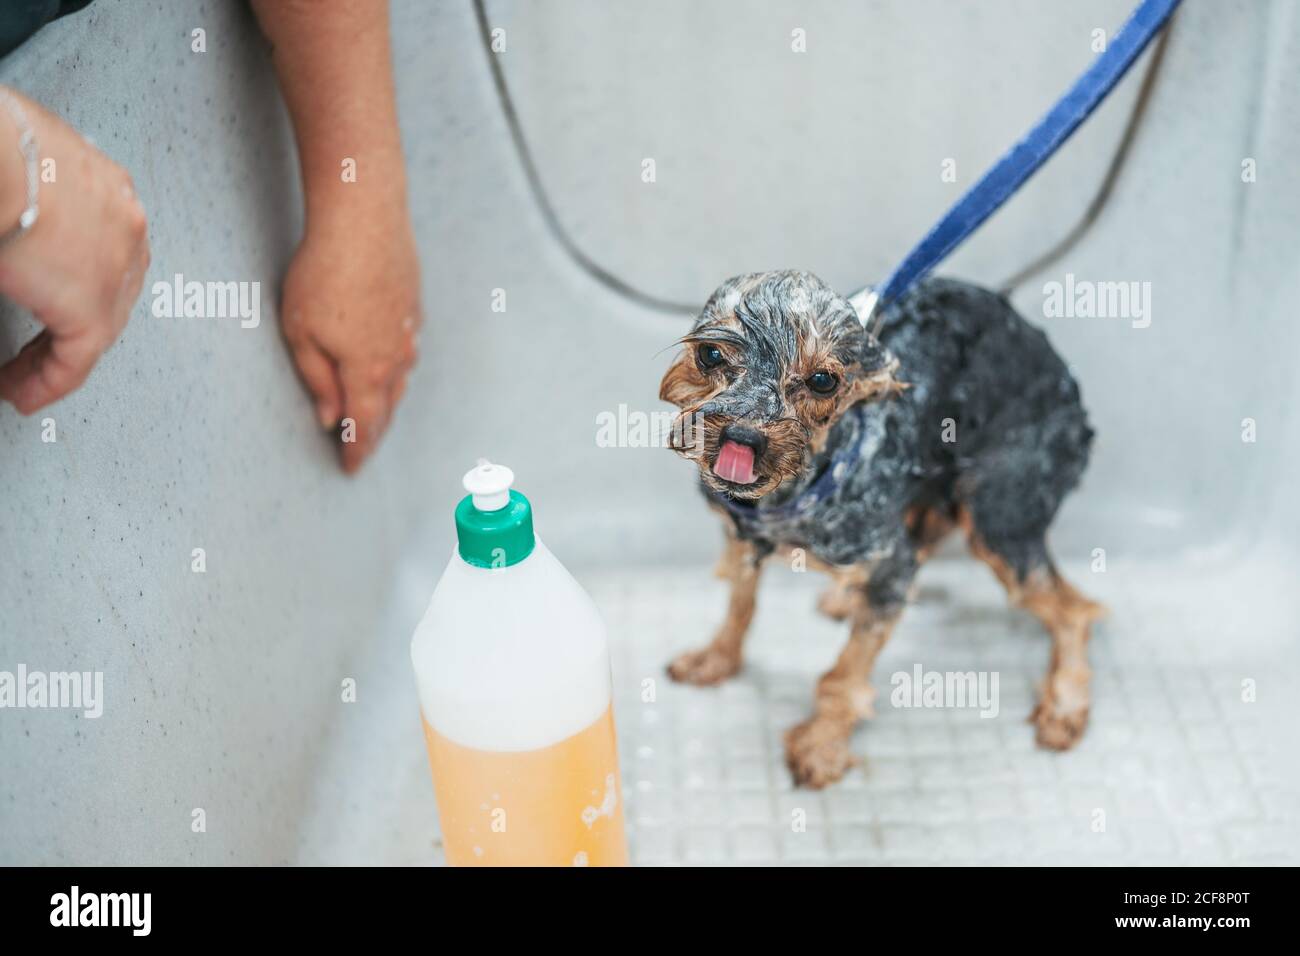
845 591
818 749
740 564
1062 711
836 602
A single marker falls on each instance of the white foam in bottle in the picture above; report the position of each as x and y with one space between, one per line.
512 665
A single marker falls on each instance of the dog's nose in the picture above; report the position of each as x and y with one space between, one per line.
745 435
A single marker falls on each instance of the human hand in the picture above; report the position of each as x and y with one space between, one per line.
350 313
80 267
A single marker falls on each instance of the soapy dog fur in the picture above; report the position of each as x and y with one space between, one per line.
962 417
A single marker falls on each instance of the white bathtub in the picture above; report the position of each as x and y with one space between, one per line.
223 689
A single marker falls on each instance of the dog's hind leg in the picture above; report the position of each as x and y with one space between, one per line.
817 751
740 564
1010 490
1062 711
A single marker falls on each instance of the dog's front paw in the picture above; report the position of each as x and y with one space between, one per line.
817 752
1058 729
710 665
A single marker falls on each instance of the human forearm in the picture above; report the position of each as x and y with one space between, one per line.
334 64
350 307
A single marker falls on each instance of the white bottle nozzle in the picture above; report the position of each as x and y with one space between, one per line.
489 484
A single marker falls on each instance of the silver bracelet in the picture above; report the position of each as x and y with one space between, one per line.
30 152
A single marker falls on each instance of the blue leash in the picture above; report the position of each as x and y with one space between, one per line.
984 198
1022 160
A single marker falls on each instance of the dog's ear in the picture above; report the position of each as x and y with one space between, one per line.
879 368
682 382
872 354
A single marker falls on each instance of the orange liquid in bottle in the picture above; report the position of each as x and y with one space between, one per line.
557 806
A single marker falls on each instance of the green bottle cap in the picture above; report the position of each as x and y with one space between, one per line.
494 525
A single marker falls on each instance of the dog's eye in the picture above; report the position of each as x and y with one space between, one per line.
823 382
709 356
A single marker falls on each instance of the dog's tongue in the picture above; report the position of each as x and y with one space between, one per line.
735 462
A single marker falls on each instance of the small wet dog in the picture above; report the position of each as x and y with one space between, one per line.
864 452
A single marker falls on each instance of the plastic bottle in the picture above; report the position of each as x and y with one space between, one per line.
512 665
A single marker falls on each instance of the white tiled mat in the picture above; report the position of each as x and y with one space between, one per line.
1175 766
